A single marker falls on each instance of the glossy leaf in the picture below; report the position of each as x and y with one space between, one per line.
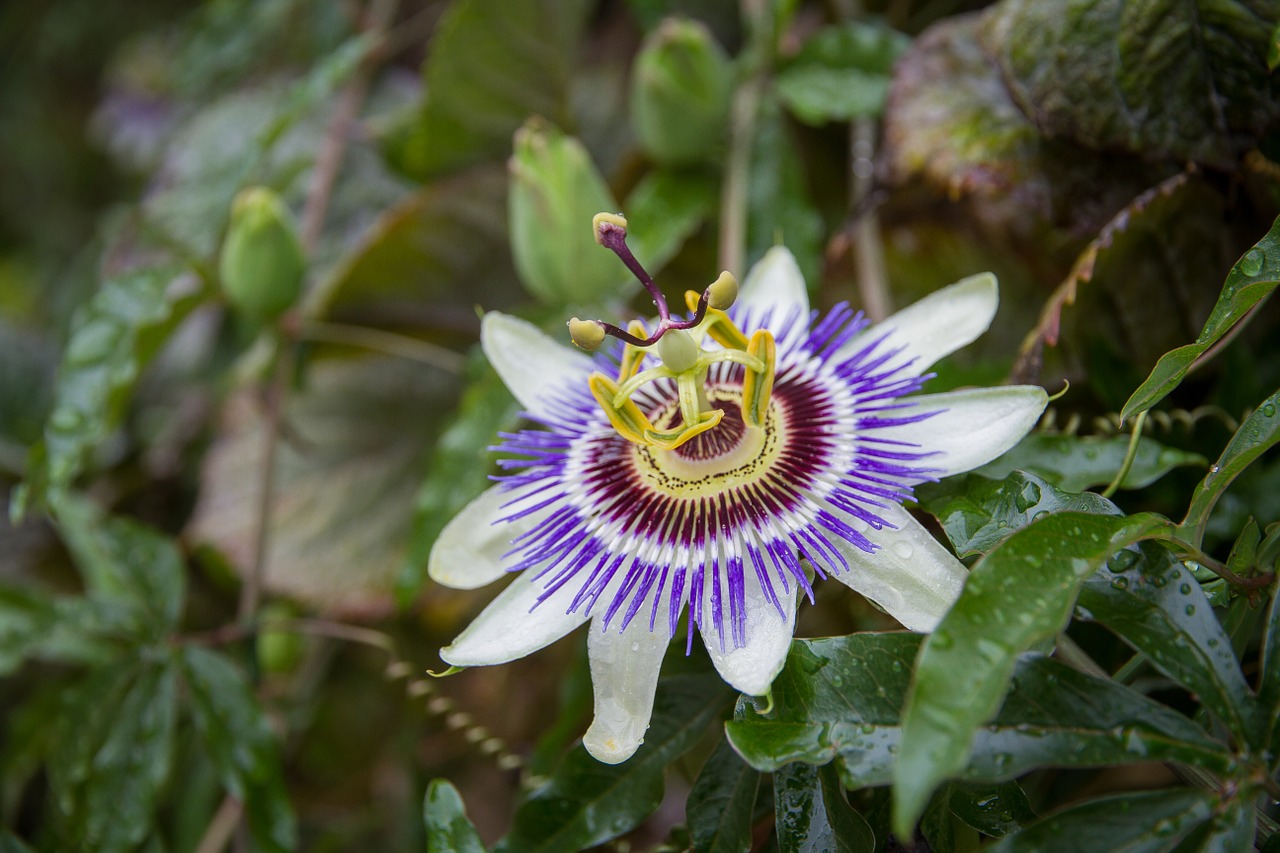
1157 607
1141 822
721 803
1018 595
490 67
445 817
992 809
114 756
978 514
586 802
238 737
1258 434
841 73
1075 463
1174 79
126 562
813 816
1250 281
112 340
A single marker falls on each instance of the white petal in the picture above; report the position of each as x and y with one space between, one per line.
624 678
530 363
939 324
971 428
468 552
511 627
912 576
773 285
752 668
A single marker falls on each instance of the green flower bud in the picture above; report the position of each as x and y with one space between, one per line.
680 89
262 265
278 651
555 191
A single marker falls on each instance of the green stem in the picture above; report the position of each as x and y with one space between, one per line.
1129 456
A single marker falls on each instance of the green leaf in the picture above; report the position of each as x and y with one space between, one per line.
1136 822
239 739
1258 434
1231 829
490 67
112 340
812 814
555 192
1020 594
841 73
1251 280
721 803
445 817
664 209
10 843
780 209
126 562
1176 79
978 514
1269 681
114 754
586 802
1075 463
840 698
992 809
1157 607
25 617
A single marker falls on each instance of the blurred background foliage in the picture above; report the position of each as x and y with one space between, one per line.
165 660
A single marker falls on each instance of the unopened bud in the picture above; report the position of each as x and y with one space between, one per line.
723 292
680 93
261 266
586 334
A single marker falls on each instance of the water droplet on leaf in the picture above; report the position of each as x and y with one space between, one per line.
1251 263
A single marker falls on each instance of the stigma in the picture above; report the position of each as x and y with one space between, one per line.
677 346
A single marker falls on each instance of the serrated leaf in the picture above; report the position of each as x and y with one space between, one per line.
721 803
490 67
1182 80
126 562
1018 595
107 776
1156 606
841 699
1258 434
813 816
1075 463
445 818
1136 822
112 340
586 802
977 514
1251 280
237 736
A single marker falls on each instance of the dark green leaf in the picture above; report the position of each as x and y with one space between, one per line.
25 617
124 561
978 514
1251 280
239 739
994 809
1269 682
1141 822
664 210
1159 609
813 815
448 829
490 68
721 803
113 338
10 843
1018 595
1183 80
841 73
1258 434
114 754
1075 463
1230 831
586 802
840 698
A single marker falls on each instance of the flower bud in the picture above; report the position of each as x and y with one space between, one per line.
680 90
261 266
555 191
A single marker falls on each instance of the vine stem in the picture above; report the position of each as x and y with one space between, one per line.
382 341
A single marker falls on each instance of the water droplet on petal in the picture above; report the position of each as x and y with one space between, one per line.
903 549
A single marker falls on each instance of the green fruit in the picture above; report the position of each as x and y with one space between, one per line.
262 265
680 90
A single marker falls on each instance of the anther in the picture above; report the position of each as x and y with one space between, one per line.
722 292
586 334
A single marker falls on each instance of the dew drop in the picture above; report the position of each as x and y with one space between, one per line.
903 549
1251 263
635 647
1191 610
1120 583
1185 589
1269 411
1213 469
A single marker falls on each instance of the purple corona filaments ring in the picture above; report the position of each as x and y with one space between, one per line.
702 470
